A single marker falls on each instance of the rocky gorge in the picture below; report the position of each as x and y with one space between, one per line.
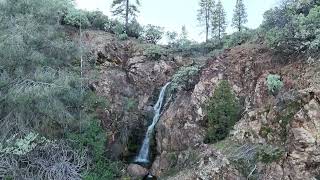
276 137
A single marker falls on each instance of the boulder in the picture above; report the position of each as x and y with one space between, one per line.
136 170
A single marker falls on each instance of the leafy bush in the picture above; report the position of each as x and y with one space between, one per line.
152 34
268 154
274 83
183 78
238 38
76 17
123 36
97 19
223 110
93 139
115 27
172 37
154 52
294 27
135 29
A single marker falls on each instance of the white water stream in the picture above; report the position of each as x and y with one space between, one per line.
143 156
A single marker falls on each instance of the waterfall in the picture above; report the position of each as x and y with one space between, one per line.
143 156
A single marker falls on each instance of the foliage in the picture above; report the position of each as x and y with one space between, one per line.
154 52
117 28
239 16
219 21
76 18
171 38
92 138
123 37
42 92
246 157
21 146
183 77
238 38
40 88
39 158
223 110
274 83
293 27
126 10
152 34
206 14
268 154
97 19
135 29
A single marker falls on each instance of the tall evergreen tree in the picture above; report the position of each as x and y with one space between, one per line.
219 24
125 9
205 15
239 16
184 33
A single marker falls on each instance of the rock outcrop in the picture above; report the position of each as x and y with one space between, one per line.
137 171
289 121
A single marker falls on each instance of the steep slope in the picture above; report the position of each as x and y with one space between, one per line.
277 135
288 121
130 81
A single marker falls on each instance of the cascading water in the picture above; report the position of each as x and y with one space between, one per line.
143 156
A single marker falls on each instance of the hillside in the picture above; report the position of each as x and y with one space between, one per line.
85 96
267 121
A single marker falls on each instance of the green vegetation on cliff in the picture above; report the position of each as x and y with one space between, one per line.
223 112
43 96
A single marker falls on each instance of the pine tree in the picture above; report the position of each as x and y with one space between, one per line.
223 110
125 9
239 16
205 15
219 21
184 33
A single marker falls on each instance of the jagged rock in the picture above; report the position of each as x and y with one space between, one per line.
126 76
128 82
210 165
137 171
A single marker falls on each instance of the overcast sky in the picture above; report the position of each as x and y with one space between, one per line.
173 14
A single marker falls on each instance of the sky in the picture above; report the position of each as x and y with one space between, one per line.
173 14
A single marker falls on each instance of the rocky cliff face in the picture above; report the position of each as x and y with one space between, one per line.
288 122
130 82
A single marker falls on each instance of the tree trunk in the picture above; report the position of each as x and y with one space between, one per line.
207 32
207 25
239 23
219 27
127 16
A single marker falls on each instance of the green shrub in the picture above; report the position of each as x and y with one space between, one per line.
154 52
115 27
135 29
93 139
76 17
123 36
172 38
294 27
238 38
274 83
183 78
223 110
152 34
97 19
268 154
